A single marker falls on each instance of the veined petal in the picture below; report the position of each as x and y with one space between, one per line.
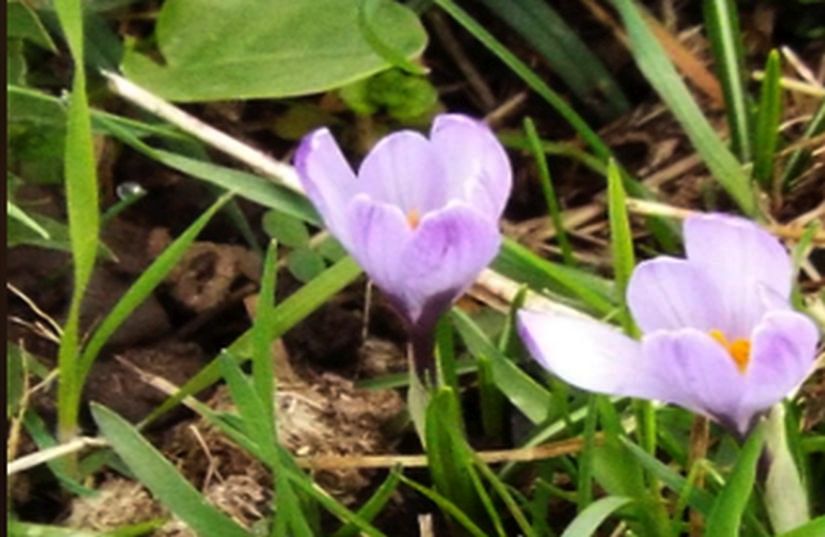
696 371
402 169
589 355
379 233
478 169
327 179
782 354
447 251
740 257
667 293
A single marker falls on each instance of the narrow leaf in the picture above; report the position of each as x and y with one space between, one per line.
725 518
162 478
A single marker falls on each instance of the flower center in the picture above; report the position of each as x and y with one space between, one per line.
738 349
413 218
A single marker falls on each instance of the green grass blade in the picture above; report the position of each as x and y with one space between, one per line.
83 215
698 499
446 506
523 265
528 76
582 71
448 454
584 490
523 392
722 23
549 191
144 286
256 423
589 520
726 516
621 241
654 64
13 211
509 501
370 508
247 185
263 372
285 316
162 478
768 117
799 158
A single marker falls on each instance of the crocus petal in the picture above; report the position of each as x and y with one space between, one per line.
379 234
667 293
447 251
740 257
476 163
782 353
402 169
327 179
696 371
589 355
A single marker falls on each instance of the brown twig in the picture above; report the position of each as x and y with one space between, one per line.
652 208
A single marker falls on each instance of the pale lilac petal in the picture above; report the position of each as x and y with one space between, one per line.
667 293
402 169
698 373
739 256
379 234
589 355
327 179
783 349
447 252
478 169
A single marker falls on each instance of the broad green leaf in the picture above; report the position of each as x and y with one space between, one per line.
162 478
541 26
288 230
22 22
305 264
16 67
280 48
725 519
722 23
655 65
589 520
768 117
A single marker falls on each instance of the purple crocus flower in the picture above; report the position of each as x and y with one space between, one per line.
421 216
720 337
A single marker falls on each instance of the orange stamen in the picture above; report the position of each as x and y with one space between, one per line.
738 349
413 218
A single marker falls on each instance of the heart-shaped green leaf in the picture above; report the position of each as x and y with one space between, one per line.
247 49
